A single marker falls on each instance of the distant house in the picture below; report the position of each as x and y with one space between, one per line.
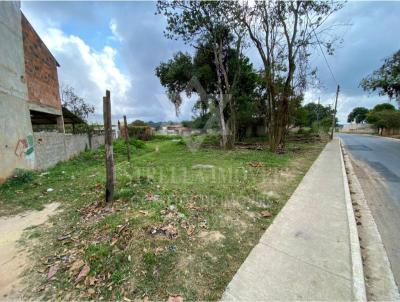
176 129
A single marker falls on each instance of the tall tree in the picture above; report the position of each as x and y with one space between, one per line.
358 114
177 76
312 113
386 79
207 23
283 33
75 103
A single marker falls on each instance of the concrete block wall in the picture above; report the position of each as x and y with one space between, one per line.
53 147
97 141
75 144
49 149
358 128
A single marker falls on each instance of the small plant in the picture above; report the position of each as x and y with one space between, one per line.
21 176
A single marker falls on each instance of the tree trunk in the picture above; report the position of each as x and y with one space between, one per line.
226 140
278 124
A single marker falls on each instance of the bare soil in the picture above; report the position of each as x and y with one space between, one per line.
13 259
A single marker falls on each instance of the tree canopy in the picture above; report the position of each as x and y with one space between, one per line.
75 103
386 79
358 115
283 33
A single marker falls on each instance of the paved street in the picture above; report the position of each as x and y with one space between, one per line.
377 165
306 254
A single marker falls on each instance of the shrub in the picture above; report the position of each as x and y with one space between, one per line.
21 176
140 132
212 139
166 137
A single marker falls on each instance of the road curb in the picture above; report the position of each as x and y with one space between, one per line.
359 290
380 282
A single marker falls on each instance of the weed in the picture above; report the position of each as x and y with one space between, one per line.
155 238
20 177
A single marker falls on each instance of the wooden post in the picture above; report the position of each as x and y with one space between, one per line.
334 112
127 138
108 147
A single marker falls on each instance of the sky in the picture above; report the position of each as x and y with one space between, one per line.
117 46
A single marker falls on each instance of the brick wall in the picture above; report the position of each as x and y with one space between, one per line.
52 147
40 68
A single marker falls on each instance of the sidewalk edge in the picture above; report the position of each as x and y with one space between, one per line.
359 291
392 291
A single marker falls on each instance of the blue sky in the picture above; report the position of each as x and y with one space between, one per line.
117 45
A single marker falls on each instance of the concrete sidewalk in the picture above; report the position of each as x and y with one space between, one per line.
311 251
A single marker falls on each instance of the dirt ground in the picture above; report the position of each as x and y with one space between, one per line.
13 258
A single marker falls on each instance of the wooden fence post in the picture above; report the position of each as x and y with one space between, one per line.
108 147
127 138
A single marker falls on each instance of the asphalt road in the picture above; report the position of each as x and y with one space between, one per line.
376 161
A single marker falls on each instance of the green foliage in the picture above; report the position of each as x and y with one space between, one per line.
75 103
386 79
138 123
175 75
384 119
359 115
311 113
21 176
140 132
162 137
383 106
380 116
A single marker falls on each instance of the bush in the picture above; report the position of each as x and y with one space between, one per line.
140 132
303 131
388 119
163 137
119 145
21 176
212 139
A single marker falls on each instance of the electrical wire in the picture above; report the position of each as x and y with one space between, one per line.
322 51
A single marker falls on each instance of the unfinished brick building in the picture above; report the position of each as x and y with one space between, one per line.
41 78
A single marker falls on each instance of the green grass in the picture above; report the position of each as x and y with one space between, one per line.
212 216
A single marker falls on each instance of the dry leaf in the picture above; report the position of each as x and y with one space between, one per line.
145 298
91 291
158 250
266 213
127 299
76 266
256 164
175 298
92 280
52 271
63 237
114 241
84 271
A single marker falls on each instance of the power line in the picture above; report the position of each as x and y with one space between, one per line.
322 51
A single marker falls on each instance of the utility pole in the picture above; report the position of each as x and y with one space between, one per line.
109 147
127 138
318 113
334 112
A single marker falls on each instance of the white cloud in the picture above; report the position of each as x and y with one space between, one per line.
90 72
113 27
